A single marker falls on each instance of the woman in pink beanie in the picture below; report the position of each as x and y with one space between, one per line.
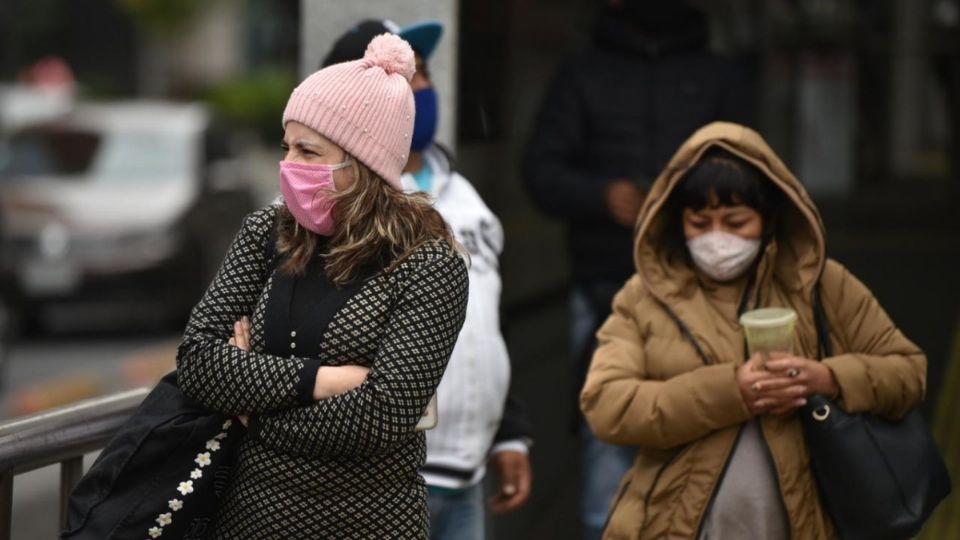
331 320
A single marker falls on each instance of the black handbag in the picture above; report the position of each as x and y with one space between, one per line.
162 474
877 478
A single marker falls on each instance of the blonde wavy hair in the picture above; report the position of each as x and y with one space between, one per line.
378 226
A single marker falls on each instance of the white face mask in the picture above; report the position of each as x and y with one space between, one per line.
723 256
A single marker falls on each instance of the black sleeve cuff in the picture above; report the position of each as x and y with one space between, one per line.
254 426
515 423
308 379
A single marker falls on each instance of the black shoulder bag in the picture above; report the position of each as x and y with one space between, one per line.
162 474
878 479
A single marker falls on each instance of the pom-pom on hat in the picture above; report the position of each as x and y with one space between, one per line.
365 106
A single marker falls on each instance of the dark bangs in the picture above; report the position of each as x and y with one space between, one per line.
721 178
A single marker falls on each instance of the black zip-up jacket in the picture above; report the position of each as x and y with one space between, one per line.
620 110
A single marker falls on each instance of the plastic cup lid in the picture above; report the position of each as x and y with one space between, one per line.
768 317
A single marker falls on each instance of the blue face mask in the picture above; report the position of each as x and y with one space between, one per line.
425 121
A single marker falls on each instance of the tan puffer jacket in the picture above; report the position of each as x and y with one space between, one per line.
649 387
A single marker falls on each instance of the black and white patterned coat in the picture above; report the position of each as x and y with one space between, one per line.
342 467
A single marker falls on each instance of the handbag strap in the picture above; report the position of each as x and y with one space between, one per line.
824 346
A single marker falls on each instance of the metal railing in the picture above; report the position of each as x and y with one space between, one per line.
62 436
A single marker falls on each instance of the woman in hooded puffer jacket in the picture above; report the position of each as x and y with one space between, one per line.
721 452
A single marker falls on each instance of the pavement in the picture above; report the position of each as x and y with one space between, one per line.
47 373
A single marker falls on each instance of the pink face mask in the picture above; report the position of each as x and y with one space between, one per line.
306 189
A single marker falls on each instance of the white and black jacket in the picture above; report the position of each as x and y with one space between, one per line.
341 467
476 416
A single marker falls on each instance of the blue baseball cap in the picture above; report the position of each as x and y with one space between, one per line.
423 37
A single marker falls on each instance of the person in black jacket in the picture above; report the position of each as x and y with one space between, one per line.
609 122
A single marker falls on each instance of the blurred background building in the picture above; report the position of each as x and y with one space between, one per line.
103 254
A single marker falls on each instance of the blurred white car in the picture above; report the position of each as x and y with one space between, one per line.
116 210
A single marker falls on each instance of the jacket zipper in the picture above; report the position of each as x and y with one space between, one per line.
726 463
716 485
653 486
776 473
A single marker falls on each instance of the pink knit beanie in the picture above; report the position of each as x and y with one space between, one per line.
365 106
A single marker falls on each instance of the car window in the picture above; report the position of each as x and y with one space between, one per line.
143 155
119 155
48 151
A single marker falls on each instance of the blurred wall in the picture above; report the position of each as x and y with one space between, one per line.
212 47
323 21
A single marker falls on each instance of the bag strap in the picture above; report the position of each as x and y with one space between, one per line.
824 346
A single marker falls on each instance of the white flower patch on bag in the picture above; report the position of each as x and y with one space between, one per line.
203 459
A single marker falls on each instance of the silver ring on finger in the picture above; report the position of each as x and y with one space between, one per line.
793 373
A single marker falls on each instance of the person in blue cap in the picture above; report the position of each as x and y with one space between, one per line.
478 420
